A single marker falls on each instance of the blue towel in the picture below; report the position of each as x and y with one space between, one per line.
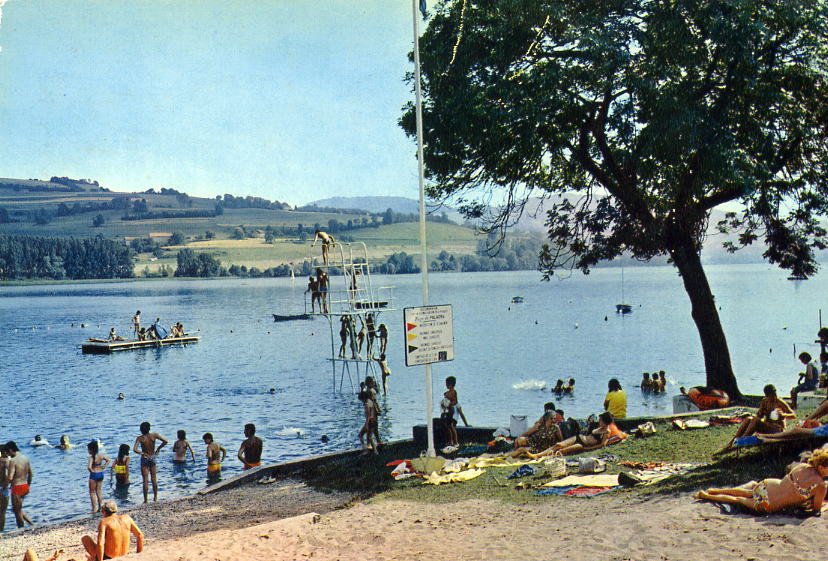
522 471
556 490
821 431
747 441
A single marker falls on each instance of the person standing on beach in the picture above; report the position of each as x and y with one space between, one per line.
5 489
215 455
250 451
136 323
145 446
447 406
328 241
180 448
20 478
113 535
96 464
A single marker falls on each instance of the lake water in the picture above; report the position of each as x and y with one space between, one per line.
565 328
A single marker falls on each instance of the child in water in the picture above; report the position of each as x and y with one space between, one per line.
97 463
120 467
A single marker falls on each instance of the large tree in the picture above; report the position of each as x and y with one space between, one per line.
636 118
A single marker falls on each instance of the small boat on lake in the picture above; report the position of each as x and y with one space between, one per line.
623 309
517 299
105 346
290 317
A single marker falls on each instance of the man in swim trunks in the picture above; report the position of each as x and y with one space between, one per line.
215 455
136 323
20 477
5 489
113 535
328 241
250 451
148 453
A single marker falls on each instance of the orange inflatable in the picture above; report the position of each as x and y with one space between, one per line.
708 399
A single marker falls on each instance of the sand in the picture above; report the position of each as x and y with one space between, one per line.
294 522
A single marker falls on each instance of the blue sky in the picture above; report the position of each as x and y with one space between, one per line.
292 100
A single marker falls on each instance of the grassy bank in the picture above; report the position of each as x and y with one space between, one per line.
369 476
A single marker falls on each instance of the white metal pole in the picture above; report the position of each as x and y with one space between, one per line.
423 254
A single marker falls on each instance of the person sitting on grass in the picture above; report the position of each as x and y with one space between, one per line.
544 434
808 380
770 418
604 434
804 485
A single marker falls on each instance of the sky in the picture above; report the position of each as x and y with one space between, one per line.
290 100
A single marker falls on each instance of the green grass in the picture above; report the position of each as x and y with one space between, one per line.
368 475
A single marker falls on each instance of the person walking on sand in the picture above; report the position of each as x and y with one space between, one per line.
20 478
113 535
96 464
328 241
145 446
250 451
180 448
5 488
136 323
215 456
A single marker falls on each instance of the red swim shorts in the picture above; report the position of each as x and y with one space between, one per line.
20 490
250 466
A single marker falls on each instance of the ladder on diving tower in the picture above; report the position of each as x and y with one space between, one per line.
353 304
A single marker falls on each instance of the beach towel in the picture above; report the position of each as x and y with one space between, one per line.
437 479
602 480
522 471
747 441
556 490
588 491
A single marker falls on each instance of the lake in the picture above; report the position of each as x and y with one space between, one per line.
565 328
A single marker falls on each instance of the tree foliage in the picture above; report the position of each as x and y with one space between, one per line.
636 118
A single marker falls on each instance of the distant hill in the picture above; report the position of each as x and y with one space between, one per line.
381 204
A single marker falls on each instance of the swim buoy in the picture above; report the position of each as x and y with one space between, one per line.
708 399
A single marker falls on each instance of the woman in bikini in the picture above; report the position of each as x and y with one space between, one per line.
97 463
120 467
804 485
597 438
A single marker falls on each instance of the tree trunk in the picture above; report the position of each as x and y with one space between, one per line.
714 345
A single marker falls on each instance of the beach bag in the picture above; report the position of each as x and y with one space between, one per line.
553 467
591 465
517 425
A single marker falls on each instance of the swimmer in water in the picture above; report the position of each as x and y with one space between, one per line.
121 396
38 441
64 443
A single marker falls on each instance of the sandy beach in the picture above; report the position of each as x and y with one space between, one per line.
287 520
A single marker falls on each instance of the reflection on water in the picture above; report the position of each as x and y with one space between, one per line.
562 329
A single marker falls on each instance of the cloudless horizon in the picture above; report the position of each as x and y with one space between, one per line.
292 101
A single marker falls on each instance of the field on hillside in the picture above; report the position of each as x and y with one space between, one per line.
379 243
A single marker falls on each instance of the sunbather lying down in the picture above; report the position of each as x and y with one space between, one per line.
804 485
606 433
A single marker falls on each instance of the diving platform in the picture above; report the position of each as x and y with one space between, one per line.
102 346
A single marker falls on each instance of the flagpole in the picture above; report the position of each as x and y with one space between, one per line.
423 255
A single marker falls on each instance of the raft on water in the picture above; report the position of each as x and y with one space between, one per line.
102 346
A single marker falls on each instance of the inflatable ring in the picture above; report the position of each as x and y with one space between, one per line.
708 399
